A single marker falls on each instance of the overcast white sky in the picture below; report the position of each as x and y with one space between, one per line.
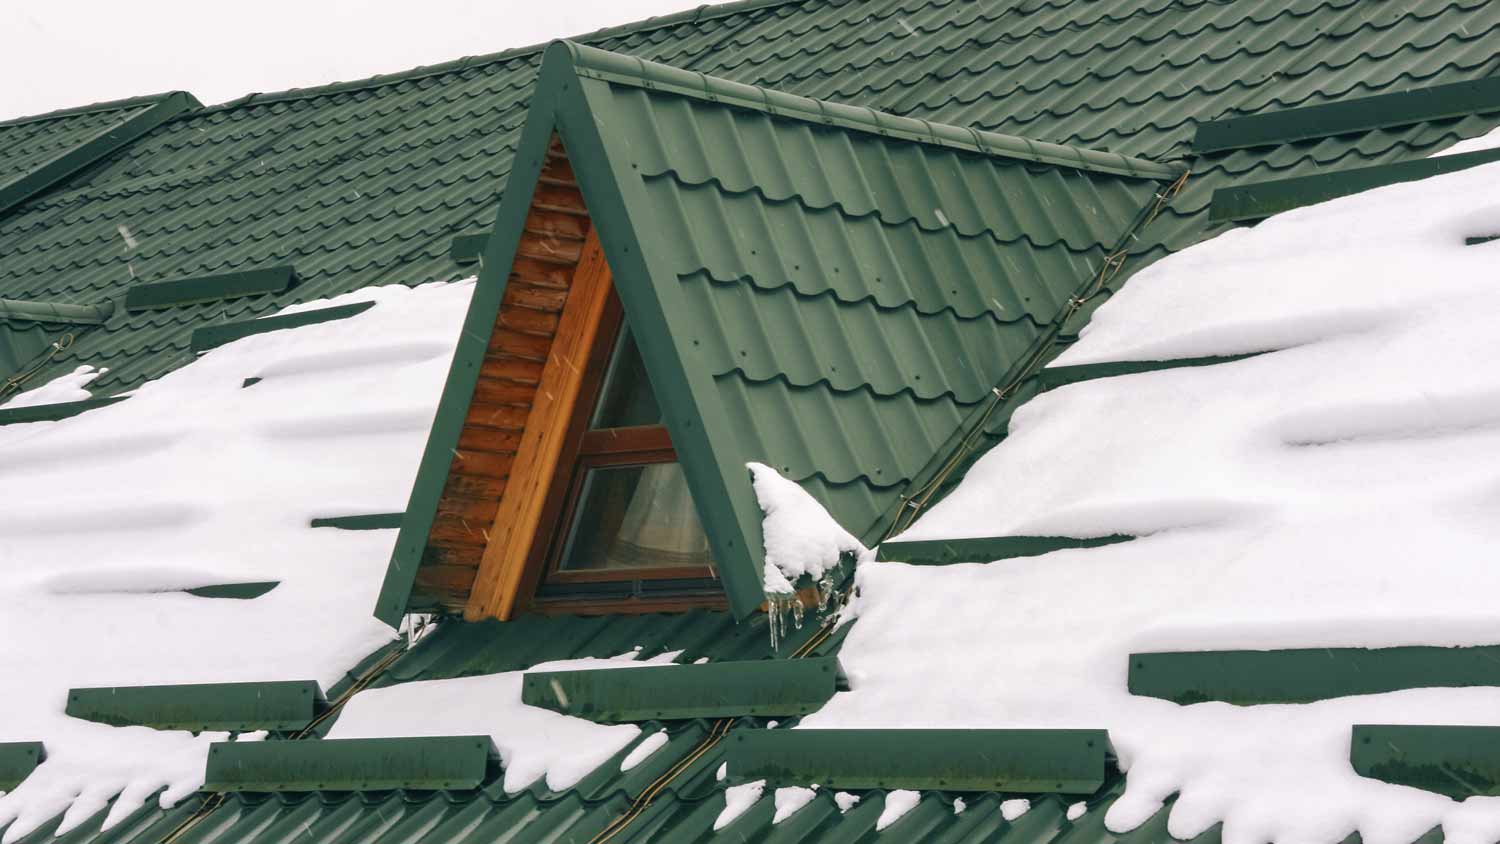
64 53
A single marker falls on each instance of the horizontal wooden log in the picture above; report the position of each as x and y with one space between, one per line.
505 417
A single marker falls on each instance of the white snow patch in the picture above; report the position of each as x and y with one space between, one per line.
845 801
1488 140
959 805
192 481
789 800
1077 810
63 388
800 537
738 798
643 751
897 804
533 742
1339 492
723 772
1012 809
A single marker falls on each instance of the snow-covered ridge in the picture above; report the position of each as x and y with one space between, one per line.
196 480
1341 489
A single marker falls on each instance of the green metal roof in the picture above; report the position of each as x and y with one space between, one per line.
369 182
825 289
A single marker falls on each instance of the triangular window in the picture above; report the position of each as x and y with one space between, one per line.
622 521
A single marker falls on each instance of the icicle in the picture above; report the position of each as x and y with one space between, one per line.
797 608
825 591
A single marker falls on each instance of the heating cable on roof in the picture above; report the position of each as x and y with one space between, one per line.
717 733
913 504
13 383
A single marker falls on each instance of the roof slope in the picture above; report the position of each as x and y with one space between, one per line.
825 289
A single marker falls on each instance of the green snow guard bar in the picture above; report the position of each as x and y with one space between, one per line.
213 336
1258 201
208 288
1418 105
468 248
53 412
1052 377
279 706
942 552
1038 761
17 760
1247 678
1456 761
767 687
440 762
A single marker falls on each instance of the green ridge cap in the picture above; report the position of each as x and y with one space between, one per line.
102 143
234 591
941 552
213 336
1457 761
767 687
17 760
1262 199
621 69
1305 675
468 248
1056 376
366 521
1037 761
53 412
281 706
208 288
58 313
1361 114
437 762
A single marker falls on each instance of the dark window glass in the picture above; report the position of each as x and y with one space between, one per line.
626 398
635 517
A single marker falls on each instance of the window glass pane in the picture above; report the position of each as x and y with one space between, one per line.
626 398
632 517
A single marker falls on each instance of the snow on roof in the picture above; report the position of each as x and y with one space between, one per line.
197 480
1341 489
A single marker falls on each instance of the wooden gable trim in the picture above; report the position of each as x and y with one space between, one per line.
502 570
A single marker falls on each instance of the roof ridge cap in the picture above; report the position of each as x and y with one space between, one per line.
108 105
694 15
630 70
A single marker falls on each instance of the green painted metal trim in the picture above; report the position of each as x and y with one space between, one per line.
1308 674
593 63
101 144
468 248
367 521
17 760
55 313
246 591
1052 377
1457 761
942 552
212 336
53 412
1475 241
439 762
281 706
766 687
1260 200
1038 761
209 288
1402 108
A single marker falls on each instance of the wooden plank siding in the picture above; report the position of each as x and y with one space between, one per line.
556 234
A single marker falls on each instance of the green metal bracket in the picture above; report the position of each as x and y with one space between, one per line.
942 552
235 591
1056 376
1457 761
281 706
154 112
1262 199
1050 761
1403 108
1247 678
767 687
213 336
440 762
368 521
468 248
53 412
17 760
208 288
